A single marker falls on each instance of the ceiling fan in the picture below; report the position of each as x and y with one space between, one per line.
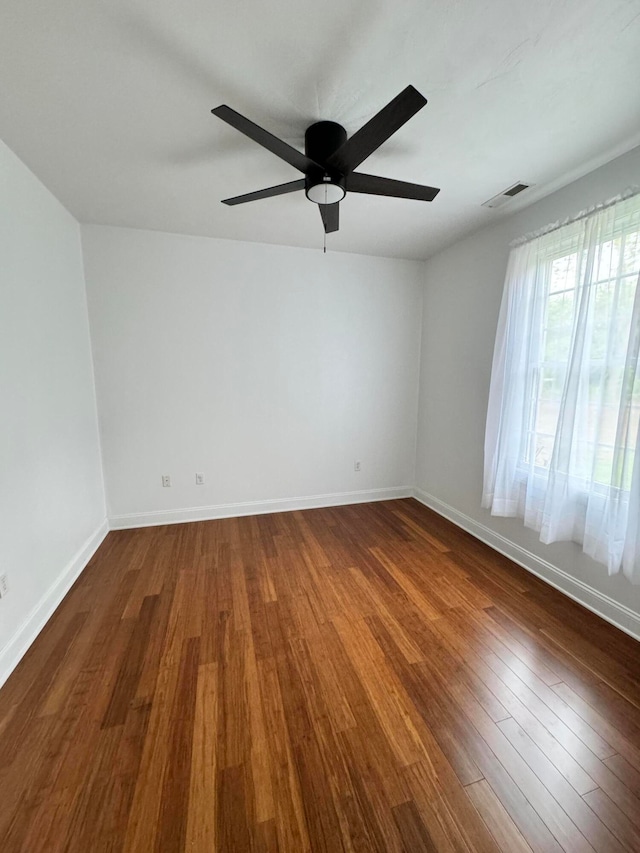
330 159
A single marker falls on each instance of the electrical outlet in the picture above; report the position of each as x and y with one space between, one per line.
356 465
4 585
200 479
166 481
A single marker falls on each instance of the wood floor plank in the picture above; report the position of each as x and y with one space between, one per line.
142 820
233 810
384 690
569 669
599 723
17 728
565 725
174 802
366 679
414 834
201 814
572 803
506 833
550 810
625 772
512 797
129 674
291 825
446 735
609 813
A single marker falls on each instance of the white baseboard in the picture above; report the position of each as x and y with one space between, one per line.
232 510
609 609
14 650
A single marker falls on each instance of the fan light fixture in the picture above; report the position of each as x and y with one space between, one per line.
326 192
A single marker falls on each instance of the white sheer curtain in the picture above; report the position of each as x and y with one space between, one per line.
562 447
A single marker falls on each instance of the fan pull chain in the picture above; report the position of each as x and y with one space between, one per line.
324 229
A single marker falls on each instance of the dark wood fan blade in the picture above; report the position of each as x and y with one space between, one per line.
377 130
281 149
358 182
280 189
330 214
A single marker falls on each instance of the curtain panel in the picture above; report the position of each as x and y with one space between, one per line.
562 444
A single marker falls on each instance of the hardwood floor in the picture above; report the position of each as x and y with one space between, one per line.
366 678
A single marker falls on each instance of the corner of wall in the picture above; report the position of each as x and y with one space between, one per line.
93 375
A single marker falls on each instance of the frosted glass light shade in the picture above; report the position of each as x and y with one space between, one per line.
325 193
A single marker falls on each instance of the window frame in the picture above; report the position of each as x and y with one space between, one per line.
524 469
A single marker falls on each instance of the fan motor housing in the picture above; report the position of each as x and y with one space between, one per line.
320 141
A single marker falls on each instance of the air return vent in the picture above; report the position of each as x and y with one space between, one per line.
506 195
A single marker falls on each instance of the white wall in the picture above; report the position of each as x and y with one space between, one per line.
463 288
269 369
52 509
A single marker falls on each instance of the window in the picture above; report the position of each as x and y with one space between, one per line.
616 265
564 412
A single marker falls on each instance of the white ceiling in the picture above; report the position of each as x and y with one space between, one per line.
109 104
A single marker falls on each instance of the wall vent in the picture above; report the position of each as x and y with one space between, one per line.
506 195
